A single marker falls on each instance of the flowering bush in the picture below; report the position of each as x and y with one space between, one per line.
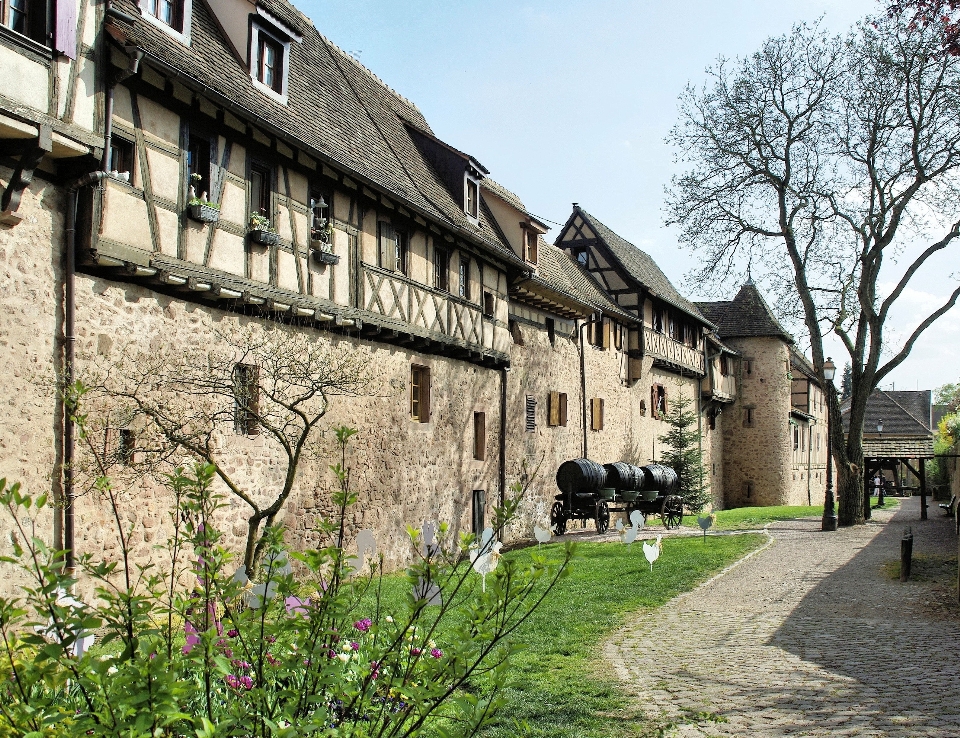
311 654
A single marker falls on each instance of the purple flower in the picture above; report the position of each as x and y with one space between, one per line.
271 659
331 654
246 682
307 662
416 651
436 653
240 665
363 625
228 652
375 666
233 632
232 681
270 639
354 645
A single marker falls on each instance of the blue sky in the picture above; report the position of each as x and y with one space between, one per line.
570 101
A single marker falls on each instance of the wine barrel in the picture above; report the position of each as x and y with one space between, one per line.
623 476
661 478
581 476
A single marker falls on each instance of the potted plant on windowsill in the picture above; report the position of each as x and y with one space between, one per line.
261 232
199 208
321 243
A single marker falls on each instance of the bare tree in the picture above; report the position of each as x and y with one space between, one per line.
197 401
944 14
825 160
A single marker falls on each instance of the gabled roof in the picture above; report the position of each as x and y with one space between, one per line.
337 110
800 363
638 264
904 413
745 316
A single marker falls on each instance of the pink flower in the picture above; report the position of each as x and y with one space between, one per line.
436 653
331 654
354 645
232 681
375 666
270 639
228 652
271 659
246 682
240 665
416 651
192 637
233 632
363 625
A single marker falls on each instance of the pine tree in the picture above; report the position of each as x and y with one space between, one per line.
684 455
846 382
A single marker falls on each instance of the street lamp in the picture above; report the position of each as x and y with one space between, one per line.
880 426
829 520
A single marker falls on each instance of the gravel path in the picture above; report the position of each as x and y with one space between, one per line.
808 636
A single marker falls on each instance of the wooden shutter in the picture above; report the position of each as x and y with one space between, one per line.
425 395
563 408
515 332
606 333
479 436
596 413
388 246
653 402
65 33
553 409
253 400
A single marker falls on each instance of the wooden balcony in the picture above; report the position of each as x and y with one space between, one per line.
725 389
672 354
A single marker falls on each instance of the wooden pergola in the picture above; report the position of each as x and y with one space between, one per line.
892 454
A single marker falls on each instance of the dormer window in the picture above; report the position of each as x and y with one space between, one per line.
530 246
270 41
171 16
581 256
472 204
270 63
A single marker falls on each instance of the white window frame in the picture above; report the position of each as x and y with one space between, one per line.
467 177
255 30
183 37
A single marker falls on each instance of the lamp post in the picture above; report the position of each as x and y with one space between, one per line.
882 485
829 520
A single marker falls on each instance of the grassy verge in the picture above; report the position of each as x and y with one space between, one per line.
560 686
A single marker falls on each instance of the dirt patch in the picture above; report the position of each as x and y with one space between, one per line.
936 577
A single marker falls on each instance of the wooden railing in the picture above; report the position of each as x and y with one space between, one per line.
660 346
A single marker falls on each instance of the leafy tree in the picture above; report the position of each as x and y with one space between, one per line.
824 159
846 382
947 394
943 14
684 454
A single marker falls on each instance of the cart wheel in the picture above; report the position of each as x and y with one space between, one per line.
558 521
672 512
603 517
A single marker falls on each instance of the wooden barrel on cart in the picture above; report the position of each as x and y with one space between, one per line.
661 478
624 476
581 476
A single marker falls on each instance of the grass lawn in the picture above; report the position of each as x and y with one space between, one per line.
560 685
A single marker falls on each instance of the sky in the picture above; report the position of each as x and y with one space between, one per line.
570 101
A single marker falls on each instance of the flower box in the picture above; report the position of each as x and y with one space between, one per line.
265 238
204 213
325 257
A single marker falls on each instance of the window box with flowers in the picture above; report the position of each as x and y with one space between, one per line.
199 208
261 232
321 234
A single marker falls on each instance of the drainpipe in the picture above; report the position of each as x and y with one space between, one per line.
69 352
813 422
119 76
503 435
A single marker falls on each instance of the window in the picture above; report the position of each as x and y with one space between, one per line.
557 409
489 304
530 239
420 393
464 278
748 490
261 185
530 424
479 436
748 366
748 417
246 396
169 12
268 70
126 445
121 155
551 330
198 163
471 206
393 248
724 365
600 332
796 438
478 518
658 402
658 320
596 414
441 267
712 420
581 256
28 17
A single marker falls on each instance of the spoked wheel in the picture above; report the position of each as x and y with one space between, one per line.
672 511
603 517
558 521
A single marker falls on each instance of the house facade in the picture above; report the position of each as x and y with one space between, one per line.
220 169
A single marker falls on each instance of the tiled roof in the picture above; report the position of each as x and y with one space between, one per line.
800 363
640 265
904 413
503 193
746 315
337 110
558 272
904 448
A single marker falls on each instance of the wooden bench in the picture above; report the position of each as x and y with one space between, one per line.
950 508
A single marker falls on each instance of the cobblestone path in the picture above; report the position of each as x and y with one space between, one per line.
806 637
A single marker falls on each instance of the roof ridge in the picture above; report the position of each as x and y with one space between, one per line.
914 417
